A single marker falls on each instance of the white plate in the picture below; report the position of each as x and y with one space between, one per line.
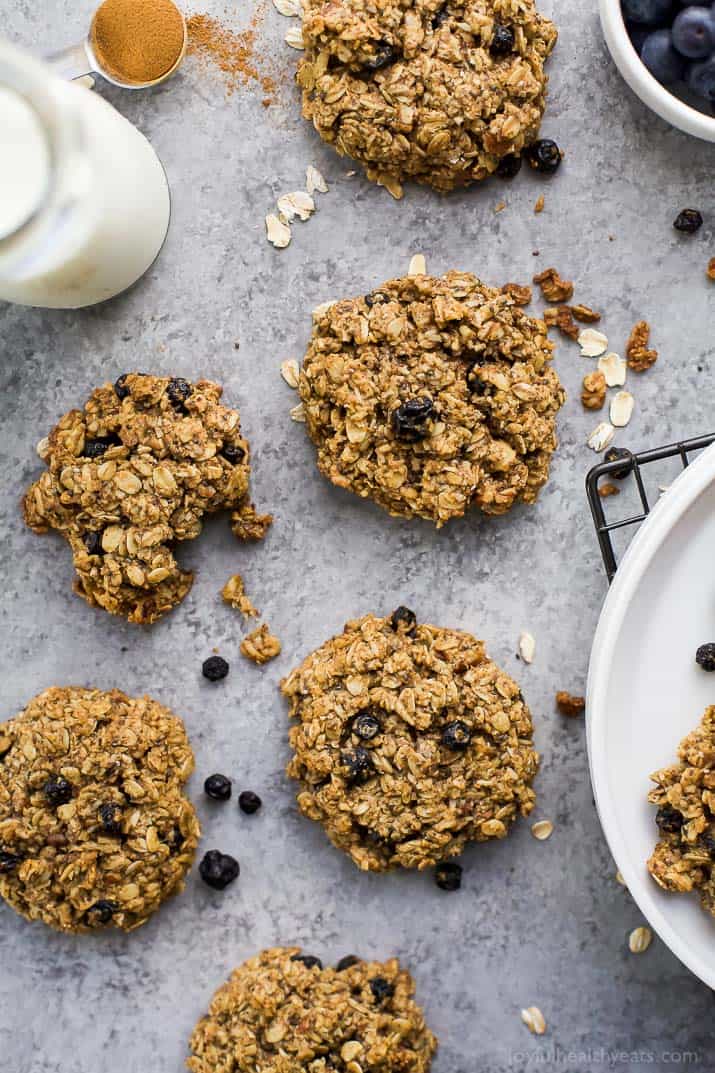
645 693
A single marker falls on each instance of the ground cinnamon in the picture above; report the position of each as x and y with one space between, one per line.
232 52
137 40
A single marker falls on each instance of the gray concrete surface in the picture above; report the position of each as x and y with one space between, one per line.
542 924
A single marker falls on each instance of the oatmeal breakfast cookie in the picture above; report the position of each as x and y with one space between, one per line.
685 795
282 1012
408 743
431 395
132 473
438 91
94 826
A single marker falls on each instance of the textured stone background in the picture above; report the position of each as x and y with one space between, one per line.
535 923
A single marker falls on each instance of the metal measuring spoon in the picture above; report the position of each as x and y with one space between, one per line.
79 61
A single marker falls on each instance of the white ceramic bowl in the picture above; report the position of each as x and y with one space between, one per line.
645 693
657 97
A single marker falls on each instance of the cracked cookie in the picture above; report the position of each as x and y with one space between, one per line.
685 795
282 1012
432 395
408 742
131 474
437 91
94 826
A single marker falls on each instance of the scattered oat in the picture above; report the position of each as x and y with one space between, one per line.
585 314
639 940
539 206
527 647
289 8
418 266
568 704
298 413
601 436
234 593
261 646
290 371
592 343
521 295
294 38
542 830
500 206
43 448
621 411
553 288
533 1018
710 270
299 203
314 181
593 391
561 318
639 356
607 489
613 367
277 232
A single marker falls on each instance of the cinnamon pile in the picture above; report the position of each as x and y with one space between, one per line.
137 41
232 52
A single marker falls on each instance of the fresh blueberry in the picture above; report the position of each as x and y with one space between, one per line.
366 725
233 453
57 791
669 819
448 876
544 156
688 221
381 989
647 12
410 420
625 459
456 735
178 391
503 40
701 79
110 817
509 166
705 657
358 764
661 59
218 787
218 869
214 668
309 960
694 32
403 619
249 802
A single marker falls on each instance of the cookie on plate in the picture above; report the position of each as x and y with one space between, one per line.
131 474
94 826
408 742
684 857
282 1012
438 91
432 395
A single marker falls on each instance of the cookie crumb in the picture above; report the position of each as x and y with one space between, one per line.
500 206
553 287
593 391
638 355
249 524
710 270
539 206
608 489
585 314
566 702
261 646
520 294
234 594
560 317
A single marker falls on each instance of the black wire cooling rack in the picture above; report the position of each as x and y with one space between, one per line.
634 465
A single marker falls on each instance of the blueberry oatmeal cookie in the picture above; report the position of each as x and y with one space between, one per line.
408 742
133 473
444 92
282 1012
432 395
685 796
94 826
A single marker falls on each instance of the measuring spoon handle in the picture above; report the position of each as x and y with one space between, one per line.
70 63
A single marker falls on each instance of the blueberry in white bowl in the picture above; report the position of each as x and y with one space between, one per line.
676 43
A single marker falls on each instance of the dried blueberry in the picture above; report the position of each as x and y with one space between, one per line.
544 156
110 817
233 453
475 382
456 735
384 54
178 391
57 791
448 876
439 17
218 787
358 764
120 386
410 421
619 454
95 448
708 840
366 725
214 668
375 298
688 221
101 912
249 802
669 819
403 620
308 960
9 861
509 166
381 988
347 963
705 657
218 869
503 40
93 542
